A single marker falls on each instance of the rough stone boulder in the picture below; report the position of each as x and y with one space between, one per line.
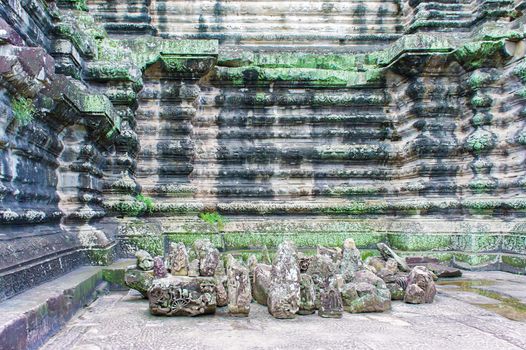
208 257
182 296
388 271
335 253
139 280
307 303
368 293
144 260
284 291
221 292
375 263
434 265
178 259
351 260
323 271
261 283
239 293
420 286
387 253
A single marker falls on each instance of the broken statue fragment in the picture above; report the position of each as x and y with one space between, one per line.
239 293
284 291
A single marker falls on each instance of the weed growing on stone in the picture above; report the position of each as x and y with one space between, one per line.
213 219
23 110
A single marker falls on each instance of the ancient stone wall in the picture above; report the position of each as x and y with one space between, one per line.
396 121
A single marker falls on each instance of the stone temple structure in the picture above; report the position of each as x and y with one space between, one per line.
134 125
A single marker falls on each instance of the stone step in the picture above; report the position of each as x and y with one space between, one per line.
30 318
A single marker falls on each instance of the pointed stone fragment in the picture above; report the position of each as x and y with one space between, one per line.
323 271
265 256
251 263
284 291
178 259
239 293
221 293
307 304
387 253
351 260
193 268
208 257
159 270
261 283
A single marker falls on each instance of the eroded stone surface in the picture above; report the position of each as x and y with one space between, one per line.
420 286
323 271
307 302
208 257
284 290
331 304
368 293
351 260
239 293
159 269
178 259
193 268
261 283
182 296
144 260
139 280
221 291
388 253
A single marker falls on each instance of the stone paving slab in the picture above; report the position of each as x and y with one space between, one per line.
122 321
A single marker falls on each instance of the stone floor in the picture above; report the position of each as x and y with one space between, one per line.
462 317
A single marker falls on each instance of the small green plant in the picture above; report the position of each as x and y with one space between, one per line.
213 219
147 201
23 110
81 5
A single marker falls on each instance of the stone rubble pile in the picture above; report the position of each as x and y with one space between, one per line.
194 282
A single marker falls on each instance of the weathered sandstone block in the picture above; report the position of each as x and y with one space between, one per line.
368 293
144 260
178 259
261 283
139 280
284 291
208 257
331 304
182 296
239 293
307 303
420 286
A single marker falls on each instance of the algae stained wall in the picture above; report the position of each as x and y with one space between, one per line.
396 121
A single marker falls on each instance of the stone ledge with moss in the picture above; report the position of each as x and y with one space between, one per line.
133 127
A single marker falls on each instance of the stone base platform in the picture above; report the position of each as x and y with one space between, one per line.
456 320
